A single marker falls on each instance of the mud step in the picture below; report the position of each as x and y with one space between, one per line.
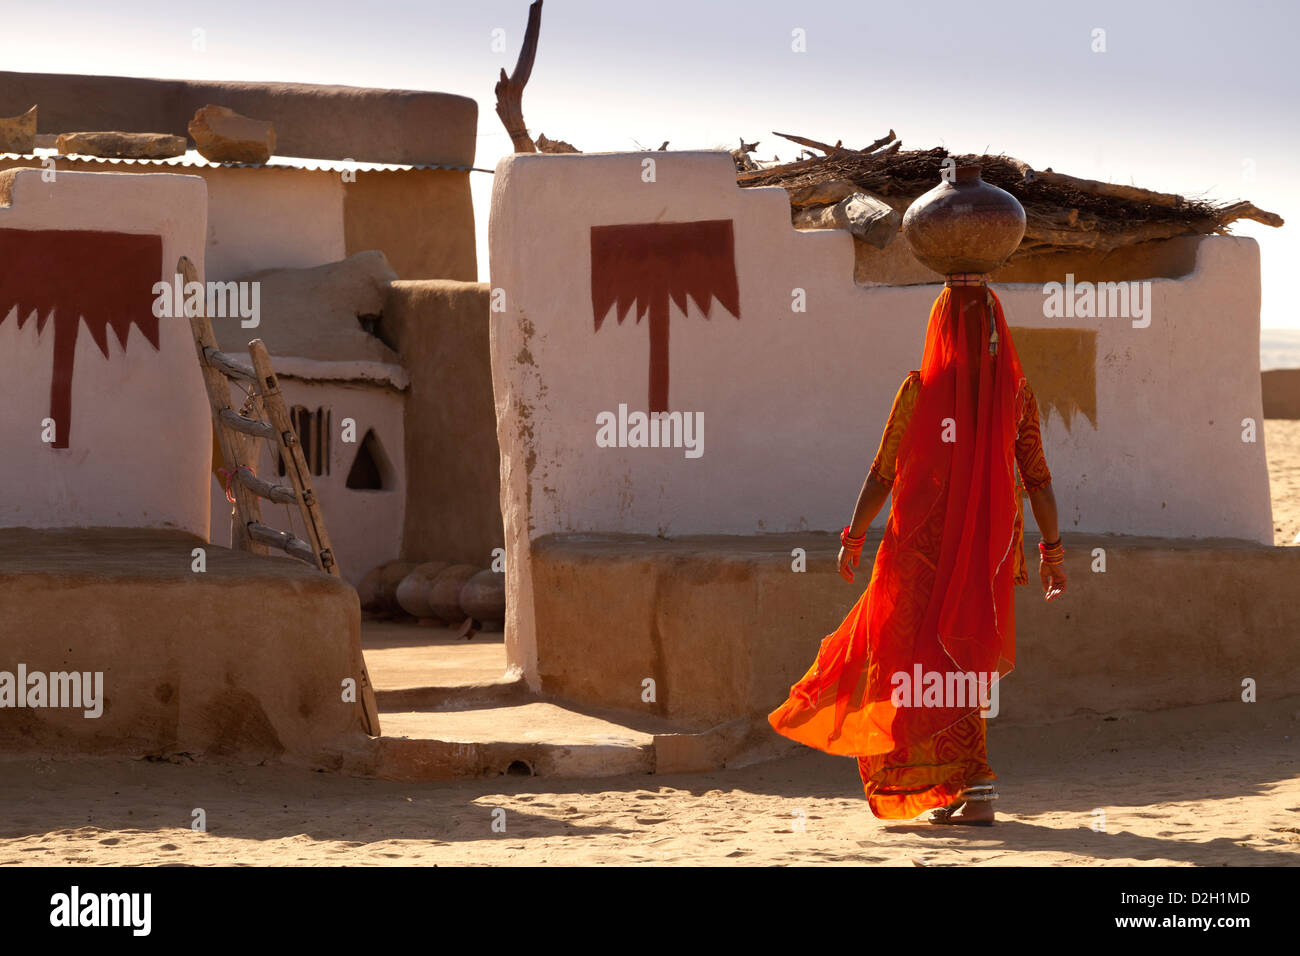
456 697
533 738
426 668
448 709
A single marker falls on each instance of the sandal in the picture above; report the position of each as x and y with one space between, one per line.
981 793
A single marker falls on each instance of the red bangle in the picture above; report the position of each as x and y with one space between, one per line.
851 543
1054 554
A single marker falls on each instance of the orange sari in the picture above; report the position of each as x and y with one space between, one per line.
940 592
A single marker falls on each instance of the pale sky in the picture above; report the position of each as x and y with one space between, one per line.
1192 97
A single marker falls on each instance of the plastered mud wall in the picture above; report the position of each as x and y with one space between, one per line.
81 348
788 381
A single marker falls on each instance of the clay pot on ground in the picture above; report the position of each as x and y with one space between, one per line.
964 226
444 593
368 589
483 597
413 591
378 591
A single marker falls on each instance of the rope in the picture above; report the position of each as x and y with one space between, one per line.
230 479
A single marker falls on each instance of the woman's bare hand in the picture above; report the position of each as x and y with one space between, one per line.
1053 579
848 560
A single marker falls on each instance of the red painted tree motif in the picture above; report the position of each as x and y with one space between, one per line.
105 278
650 263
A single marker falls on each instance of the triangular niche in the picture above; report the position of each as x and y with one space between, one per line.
371 470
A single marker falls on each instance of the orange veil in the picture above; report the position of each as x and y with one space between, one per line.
940 595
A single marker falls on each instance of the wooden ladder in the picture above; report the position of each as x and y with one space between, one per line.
237 432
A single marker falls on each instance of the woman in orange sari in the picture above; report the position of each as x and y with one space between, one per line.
894 685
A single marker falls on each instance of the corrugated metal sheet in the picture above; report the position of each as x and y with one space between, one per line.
192 159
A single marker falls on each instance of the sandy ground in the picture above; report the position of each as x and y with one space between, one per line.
1282 446
1209 785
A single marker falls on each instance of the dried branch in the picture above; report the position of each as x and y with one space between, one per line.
783 168
740 156
510 89
1064 213
881 142
1113 190
545 145
821 193
814 144
1248 210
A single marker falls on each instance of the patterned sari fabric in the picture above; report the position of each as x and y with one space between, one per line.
939 600
928 774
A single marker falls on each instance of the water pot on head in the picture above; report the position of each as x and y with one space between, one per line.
966 225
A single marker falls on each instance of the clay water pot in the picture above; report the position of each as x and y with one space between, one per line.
413 592
390 576
368 590
483 597
378 589
444 593
964 226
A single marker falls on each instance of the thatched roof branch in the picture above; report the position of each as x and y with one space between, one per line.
1062 212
